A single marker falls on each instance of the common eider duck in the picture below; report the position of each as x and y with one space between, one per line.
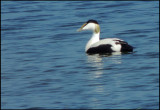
107 45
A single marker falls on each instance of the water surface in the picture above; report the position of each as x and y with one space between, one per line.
44 64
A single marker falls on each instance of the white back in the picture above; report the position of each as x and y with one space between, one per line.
115 47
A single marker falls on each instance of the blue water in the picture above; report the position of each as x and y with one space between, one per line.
44 65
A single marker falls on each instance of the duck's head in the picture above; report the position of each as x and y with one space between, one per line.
90 25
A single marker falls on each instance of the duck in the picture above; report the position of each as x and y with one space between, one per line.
107 45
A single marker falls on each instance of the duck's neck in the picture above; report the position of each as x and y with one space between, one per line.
95 38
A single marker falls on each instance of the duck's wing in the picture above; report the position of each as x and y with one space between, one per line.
107 45
109 41
110 45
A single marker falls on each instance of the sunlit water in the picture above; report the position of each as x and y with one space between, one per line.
43 63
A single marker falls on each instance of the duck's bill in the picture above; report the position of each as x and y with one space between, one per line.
80 29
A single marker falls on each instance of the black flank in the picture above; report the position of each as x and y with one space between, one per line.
106 48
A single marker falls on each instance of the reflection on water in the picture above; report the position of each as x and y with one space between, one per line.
96 61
